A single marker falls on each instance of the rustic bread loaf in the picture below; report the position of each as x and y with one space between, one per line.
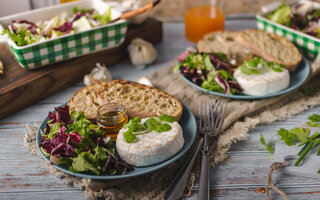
271 47
140 100
225 42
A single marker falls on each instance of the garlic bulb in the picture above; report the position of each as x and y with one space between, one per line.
99 73
134 5
141 53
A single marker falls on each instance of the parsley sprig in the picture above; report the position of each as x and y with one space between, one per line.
157 124
292 136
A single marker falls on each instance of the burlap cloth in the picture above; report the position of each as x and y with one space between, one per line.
241 116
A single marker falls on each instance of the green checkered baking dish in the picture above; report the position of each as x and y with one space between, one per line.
62 48
309 45
67 46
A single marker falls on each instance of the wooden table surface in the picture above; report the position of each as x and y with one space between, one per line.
25 177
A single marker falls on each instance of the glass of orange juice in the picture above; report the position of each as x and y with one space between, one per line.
201 20
66 1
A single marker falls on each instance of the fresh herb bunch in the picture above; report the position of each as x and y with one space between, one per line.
292 136
74 141
157 124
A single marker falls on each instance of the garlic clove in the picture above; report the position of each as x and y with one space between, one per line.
141 53
97 74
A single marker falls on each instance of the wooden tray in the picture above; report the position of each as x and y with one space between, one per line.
20 88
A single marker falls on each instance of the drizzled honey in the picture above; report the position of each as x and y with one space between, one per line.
111 118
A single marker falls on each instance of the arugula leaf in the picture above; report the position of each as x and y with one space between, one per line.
22 38
225 75
84 162
221 56
104 18
281 14
100 156
76 9
54 129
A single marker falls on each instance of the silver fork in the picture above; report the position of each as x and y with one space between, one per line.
211 120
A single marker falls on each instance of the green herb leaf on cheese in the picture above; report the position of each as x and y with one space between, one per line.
167 118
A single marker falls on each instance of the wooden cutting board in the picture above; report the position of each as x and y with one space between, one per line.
20 88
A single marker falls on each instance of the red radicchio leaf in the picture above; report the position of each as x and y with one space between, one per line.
219 64
222 83
69 150
65 28
58 150
235 85
74 138
32 27
61 115
183 55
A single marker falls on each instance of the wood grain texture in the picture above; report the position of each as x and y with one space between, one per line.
20 87
25 177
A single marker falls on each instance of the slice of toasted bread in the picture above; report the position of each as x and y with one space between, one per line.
225 42
140 100
271 47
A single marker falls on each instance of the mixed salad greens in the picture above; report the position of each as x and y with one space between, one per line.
74 141
303 16
24 32
297 135
211 71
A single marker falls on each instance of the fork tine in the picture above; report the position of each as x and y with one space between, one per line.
218 110
221 116
200 115
207 118
215 112
212 104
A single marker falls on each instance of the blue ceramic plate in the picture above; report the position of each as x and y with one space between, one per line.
297 78
188 124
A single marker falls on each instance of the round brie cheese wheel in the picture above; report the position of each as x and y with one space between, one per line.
267 82
150 148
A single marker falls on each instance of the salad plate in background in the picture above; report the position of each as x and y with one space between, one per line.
76 122
212 73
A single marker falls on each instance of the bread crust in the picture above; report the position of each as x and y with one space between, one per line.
262 52
99 88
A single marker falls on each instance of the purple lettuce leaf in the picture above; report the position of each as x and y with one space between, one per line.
65 28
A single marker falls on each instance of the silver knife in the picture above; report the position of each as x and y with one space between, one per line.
179 183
